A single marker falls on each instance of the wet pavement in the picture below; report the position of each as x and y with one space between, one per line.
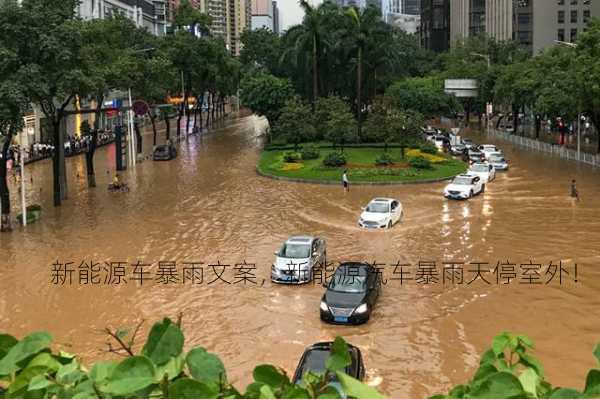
210 206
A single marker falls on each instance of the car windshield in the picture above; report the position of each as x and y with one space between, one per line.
344 282
378 207
462 180
480 168
295 251
497 158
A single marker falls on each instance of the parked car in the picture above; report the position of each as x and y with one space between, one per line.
464 186
487 149
315 356
381 213
496 159
473 156
458 149
469 143
484 170
351 294
297 258
164 152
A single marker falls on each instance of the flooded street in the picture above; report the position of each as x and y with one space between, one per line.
209 206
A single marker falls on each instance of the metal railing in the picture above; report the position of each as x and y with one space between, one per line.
553 149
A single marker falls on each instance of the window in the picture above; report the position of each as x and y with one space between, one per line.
586 2
573 35
561 2
573 2
561 35
586 16
561 17
574 16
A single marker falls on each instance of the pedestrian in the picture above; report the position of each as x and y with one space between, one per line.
574 192
345 181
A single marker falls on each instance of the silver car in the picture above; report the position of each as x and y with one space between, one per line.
297 258
496 159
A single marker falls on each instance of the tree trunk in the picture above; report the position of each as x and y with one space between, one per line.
515 109
179 116
538 126
154 132
315 73
200 105
56 161
595 117
208 105
213 107
359 91
91 150
138 137
4 193
168 126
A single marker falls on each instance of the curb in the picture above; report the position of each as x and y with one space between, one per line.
338 183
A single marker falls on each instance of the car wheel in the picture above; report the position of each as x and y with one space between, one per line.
482 188
471 194
389 224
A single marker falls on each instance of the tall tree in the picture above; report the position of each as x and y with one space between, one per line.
54 73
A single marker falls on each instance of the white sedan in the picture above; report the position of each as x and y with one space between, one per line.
463 187
487 149
484 170
381 213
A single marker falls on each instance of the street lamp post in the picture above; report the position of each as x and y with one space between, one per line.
579 116
22 159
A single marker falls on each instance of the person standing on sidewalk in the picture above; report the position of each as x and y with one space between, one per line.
574 192
345 181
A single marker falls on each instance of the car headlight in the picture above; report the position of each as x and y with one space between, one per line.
361 309
324 307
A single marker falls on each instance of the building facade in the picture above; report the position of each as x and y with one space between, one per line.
150 14
275 18
262 14
435 24
535 24
403 14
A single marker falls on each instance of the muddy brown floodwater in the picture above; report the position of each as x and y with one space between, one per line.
209 205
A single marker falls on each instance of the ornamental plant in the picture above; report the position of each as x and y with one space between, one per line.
29 369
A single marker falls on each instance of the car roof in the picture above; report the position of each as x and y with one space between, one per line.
359 268
383 199
300 239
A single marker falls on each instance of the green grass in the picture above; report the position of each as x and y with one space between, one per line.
271 162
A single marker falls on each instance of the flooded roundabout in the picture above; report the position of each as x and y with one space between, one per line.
209 208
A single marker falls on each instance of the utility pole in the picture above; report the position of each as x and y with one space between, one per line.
132 145
22 159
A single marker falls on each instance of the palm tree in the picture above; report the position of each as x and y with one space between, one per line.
307 38
362 29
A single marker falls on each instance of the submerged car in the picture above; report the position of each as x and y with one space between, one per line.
469 143
496 159
484 170
297 258
351 294
164 152
381 213
487 149
463 187
458 149
474 156
314 359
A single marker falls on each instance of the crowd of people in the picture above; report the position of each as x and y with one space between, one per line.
73 146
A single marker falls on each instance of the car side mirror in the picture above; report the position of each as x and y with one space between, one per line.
315 253
276 253
363 208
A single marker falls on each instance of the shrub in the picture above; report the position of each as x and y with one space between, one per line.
292 166
334 159
384 159
310 152
429 157
420 162
291 156
429 148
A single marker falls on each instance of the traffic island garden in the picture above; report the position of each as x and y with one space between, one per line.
368 164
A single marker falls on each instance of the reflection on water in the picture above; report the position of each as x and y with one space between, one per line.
209 205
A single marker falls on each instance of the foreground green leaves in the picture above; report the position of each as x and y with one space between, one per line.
508 371
162 369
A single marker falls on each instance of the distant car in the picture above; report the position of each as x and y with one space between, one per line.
351 294
314 358
164 152
381 213
496 159
487 149
485 171
297 258
469 143
473 156
458 149
463 187
441 142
